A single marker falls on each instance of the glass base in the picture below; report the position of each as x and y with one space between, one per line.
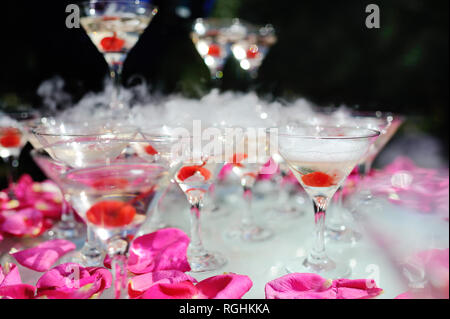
249 233
87 256
342 233
207 262
327 268
66 230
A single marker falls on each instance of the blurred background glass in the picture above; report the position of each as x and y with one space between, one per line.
323 52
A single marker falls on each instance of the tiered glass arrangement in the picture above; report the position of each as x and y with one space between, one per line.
115 27
213 39
321 157
251 50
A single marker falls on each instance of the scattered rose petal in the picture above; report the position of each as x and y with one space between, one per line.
43 256
313 286
227 286
141 283
25 222
164 249
11 286
71 281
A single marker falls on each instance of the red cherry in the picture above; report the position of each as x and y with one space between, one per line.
238 158
111 214
214 50
318 179
112 44
110 182
189 171
10 137
108 18
252 52
151 150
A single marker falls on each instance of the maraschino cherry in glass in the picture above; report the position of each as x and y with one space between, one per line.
114 199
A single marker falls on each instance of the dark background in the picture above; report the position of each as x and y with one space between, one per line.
324 53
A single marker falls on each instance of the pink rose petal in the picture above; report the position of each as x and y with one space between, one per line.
10 277
299 286
11 286
27 221
356 289
141 283
71 281
21 291
227 286
43 256
312 286
164 249
178 290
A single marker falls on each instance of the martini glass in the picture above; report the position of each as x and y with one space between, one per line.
197 173
321 158
12 140
247 163
77 145
114 200
251 50
115 27
213 39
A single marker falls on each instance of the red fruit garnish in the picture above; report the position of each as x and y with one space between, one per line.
112 44
151 150
214 50
110 182
252 52
318 179
111 214
10 137
107 18
189 171
238 158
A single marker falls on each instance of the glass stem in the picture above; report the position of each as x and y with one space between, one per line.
115 72
12 174
91 250
196 244
67 217
320 206
247 216
117 250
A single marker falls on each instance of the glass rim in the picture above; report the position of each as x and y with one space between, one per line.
133 3
370 133
109 139
39 131
77 170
